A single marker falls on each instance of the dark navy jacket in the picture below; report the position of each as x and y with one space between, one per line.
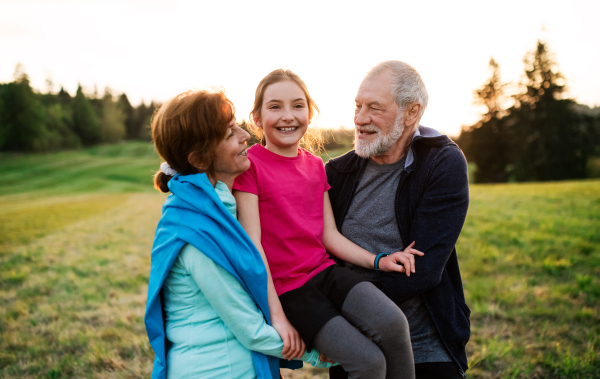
431 205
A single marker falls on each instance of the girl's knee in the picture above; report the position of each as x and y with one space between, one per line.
395 322
372 366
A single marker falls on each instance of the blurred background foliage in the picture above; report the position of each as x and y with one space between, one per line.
43 122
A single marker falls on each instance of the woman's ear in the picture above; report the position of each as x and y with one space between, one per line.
196 161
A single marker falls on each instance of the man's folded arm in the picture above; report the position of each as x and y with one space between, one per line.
435 226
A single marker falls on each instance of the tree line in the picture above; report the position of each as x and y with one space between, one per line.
540 135
40 122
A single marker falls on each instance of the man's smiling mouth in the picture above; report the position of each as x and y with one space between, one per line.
367 132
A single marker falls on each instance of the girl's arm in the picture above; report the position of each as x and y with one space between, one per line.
249 218
236 308
343 248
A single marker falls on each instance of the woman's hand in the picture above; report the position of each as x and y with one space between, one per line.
323 358
401 261
293 345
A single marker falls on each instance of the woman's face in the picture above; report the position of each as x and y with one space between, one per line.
232 154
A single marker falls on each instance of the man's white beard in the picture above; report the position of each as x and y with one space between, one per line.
382 143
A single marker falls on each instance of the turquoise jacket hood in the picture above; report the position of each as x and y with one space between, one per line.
194 214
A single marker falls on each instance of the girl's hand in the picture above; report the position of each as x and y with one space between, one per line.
401 261
293 345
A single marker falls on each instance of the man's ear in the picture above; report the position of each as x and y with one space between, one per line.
412 114
196 161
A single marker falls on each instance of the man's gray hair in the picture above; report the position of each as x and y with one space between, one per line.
407 85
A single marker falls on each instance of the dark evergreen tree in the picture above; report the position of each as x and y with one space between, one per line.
85 121
112 119
21 116
487 142
143 115
130 120
64 97
549 142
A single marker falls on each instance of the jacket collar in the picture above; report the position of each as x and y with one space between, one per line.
423 135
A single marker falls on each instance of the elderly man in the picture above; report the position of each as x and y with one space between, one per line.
402 183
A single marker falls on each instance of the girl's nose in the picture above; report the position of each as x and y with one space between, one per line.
287 115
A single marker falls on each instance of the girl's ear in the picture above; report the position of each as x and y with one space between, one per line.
256 119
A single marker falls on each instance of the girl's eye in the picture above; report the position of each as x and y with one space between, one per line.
299 106
274 107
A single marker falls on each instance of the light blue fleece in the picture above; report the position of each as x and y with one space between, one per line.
211 320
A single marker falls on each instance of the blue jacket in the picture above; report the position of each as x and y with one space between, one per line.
194 214
431 205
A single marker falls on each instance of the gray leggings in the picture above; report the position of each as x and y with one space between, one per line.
388 352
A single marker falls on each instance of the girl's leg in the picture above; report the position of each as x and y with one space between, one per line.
342 343
378 317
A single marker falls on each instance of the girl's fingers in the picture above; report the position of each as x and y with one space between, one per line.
414 252
391 264
399 263
411 258
407 264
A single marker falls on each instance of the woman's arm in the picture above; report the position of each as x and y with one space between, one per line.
343 248
249 218
235 306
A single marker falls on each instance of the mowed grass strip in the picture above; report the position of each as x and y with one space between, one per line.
23 220
123 167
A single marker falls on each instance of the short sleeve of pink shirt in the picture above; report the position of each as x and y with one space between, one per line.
290 200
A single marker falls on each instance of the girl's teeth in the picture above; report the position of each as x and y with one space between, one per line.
287 129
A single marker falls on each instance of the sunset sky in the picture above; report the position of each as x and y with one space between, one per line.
152 50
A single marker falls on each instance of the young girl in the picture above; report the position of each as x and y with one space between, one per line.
284 207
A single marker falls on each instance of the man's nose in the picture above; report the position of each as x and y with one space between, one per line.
361 117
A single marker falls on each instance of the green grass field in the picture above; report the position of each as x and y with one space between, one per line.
76 230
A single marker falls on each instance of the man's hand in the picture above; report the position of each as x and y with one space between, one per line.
401 261
293 345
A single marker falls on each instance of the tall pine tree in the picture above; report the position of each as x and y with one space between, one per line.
85 121
21 116
548 142
486 143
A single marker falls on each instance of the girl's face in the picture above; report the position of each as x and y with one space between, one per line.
232 155
283 117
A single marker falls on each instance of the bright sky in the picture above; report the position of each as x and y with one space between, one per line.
152 50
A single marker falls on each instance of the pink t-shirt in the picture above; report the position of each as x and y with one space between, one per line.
290 200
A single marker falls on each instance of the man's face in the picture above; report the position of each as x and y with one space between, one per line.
378 120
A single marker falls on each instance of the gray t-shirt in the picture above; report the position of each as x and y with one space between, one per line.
371 223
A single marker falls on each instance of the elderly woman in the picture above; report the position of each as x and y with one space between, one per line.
207 313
